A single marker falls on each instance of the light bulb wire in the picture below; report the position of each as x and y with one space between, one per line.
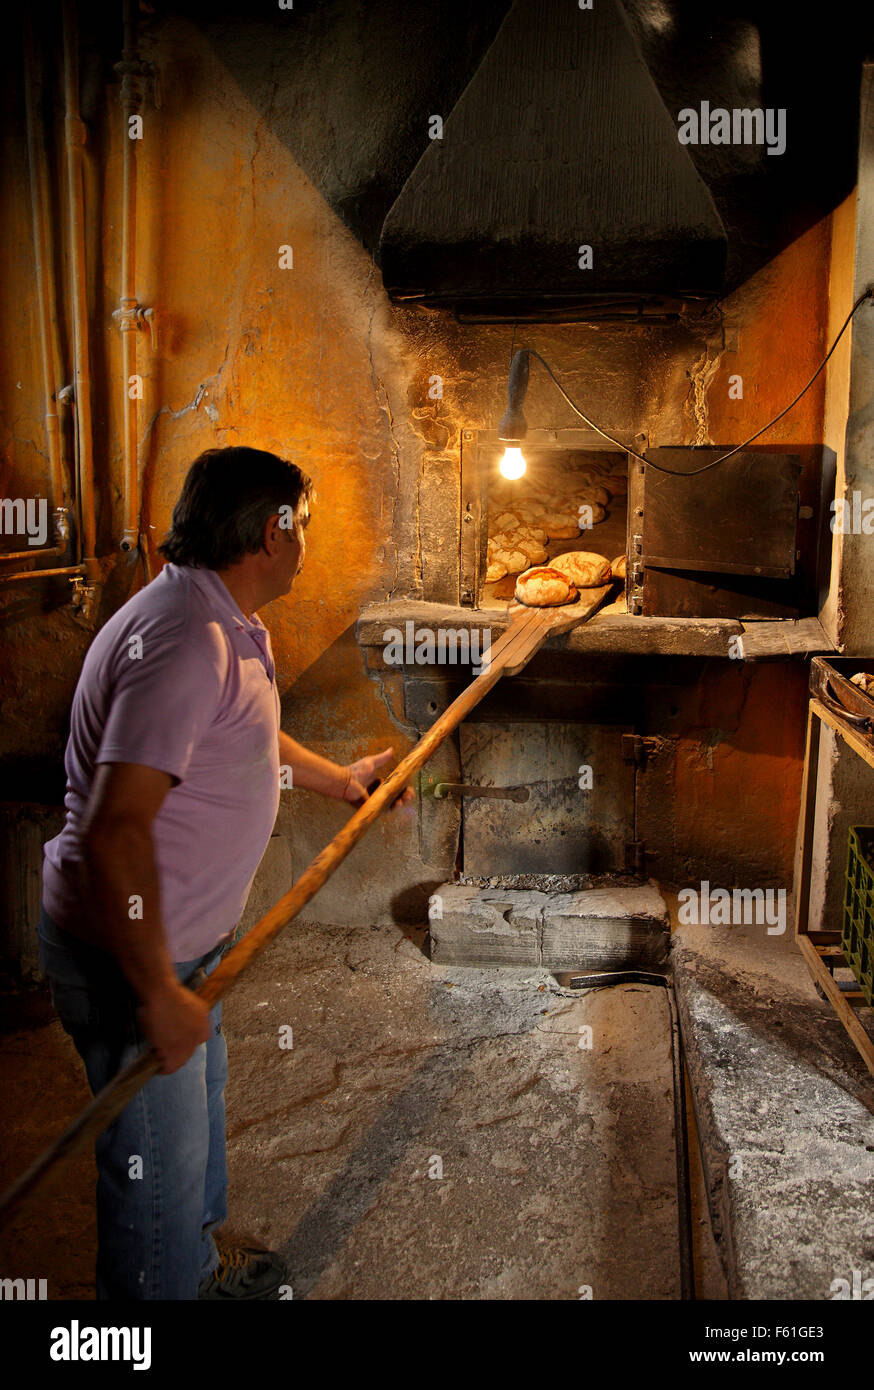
682 473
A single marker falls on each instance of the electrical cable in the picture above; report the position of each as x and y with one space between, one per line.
682 473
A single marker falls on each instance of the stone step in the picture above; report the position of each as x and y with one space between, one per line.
595 929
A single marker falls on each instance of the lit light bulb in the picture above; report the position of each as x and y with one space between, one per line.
513 464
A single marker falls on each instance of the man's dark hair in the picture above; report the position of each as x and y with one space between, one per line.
226 498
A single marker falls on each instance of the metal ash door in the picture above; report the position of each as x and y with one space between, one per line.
579 814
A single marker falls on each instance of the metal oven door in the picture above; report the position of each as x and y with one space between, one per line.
579 814
720 544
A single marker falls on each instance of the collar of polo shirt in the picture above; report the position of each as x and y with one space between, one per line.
210 582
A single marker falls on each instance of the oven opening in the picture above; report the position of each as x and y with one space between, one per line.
566 500
684 539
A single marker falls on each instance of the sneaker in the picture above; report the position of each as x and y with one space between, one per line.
244 1273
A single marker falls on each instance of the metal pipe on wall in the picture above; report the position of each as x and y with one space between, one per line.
45 299
130 315
43 574
63 386
50 337
36 553
75 141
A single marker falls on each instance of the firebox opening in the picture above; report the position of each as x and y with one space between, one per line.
567 499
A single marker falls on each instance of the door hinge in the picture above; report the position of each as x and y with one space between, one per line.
635 857
635 748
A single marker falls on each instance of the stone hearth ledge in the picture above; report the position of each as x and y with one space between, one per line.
609 632
611 928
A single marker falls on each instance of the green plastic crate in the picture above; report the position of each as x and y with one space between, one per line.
857 936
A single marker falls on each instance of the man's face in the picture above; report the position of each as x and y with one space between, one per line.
292 557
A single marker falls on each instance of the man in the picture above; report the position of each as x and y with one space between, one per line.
172 791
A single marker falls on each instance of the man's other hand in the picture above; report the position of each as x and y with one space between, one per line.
365 771
176 1022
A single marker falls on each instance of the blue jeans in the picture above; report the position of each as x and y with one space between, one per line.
161 1165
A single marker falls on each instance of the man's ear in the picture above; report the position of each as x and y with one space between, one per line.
270 538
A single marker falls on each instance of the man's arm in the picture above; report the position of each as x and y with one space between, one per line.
315 773
119 866
311 771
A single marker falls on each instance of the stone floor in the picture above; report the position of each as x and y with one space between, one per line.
439 1132
433 1132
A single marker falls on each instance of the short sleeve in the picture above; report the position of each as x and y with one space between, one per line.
162 700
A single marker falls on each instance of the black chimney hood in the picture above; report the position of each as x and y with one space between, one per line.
560 142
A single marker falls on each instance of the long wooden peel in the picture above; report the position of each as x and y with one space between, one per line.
526 633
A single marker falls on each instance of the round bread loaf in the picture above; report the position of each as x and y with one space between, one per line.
531 533
532 549
593 494
532 516
582 568
592 516
562 526
544 587
619 566
514 560
522 540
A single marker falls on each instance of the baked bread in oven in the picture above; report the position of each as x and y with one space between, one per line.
596 511
582 568
544 587
495 571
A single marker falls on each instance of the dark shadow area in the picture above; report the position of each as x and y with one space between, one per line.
349 89
761 53
409 907
24 1005
323 1231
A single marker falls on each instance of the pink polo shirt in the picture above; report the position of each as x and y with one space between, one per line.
180 680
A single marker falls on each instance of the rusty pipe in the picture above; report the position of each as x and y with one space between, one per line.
47 306
41 574
128 314
41 255
68 518
36 554
75 141
62 535
63 393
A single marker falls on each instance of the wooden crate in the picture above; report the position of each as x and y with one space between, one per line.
822 950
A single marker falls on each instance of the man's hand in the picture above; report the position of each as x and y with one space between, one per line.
176 1022
365 771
